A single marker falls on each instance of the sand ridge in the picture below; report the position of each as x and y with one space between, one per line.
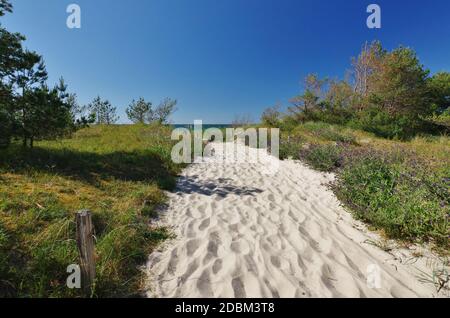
242 231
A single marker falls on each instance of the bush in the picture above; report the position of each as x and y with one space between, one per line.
290 149
385 125
323 157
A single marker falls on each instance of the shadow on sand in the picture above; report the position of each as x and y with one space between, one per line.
220 187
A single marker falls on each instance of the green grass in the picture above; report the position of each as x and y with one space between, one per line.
118 172
400 188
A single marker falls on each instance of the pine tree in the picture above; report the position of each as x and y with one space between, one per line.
140 111
104 112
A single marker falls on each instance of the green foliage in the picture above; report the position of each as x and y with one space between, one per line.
323 157
5 6
439 87
375 120
329 132
441 119
139 111
105 113
6 128
290 149
404 202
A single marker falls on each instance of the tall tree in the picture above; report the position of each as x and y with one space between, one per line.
10 49
140 111
29 78
400 86
398 98
52 118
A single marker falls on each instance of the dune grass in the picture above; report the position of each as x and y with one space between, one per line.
401 188
118 172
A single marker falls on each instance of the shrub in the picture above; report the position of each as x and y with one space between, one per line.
290 149
323 157
406 201
382 124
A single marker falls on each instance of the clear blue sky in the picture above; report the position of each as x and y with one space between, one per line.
218 57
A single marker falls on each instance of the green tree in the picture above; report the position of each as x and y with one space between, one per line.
439 90
140 111
52 118
81 118
105 112
338 104
398 99
29 78
6 119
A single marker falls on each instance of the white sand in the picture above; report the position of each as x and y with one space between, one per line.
244 232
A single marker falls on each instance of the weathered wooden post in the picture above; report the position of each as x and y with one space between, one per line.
85 242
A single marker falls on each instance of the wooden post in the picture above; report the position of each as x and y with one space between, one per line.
85 242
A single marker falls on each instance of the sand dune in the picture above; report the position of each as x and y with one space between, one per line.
244 232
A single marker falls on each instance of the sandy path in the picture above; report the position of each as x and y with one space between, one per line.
244 233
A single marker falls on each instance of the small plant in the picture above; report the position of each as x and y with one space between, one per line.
439 277
290 147
323 157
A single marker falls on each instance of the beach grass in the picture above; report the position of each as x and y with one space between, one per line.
117 172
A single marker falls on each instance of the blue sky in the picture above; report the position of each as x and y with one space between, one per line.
219 58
